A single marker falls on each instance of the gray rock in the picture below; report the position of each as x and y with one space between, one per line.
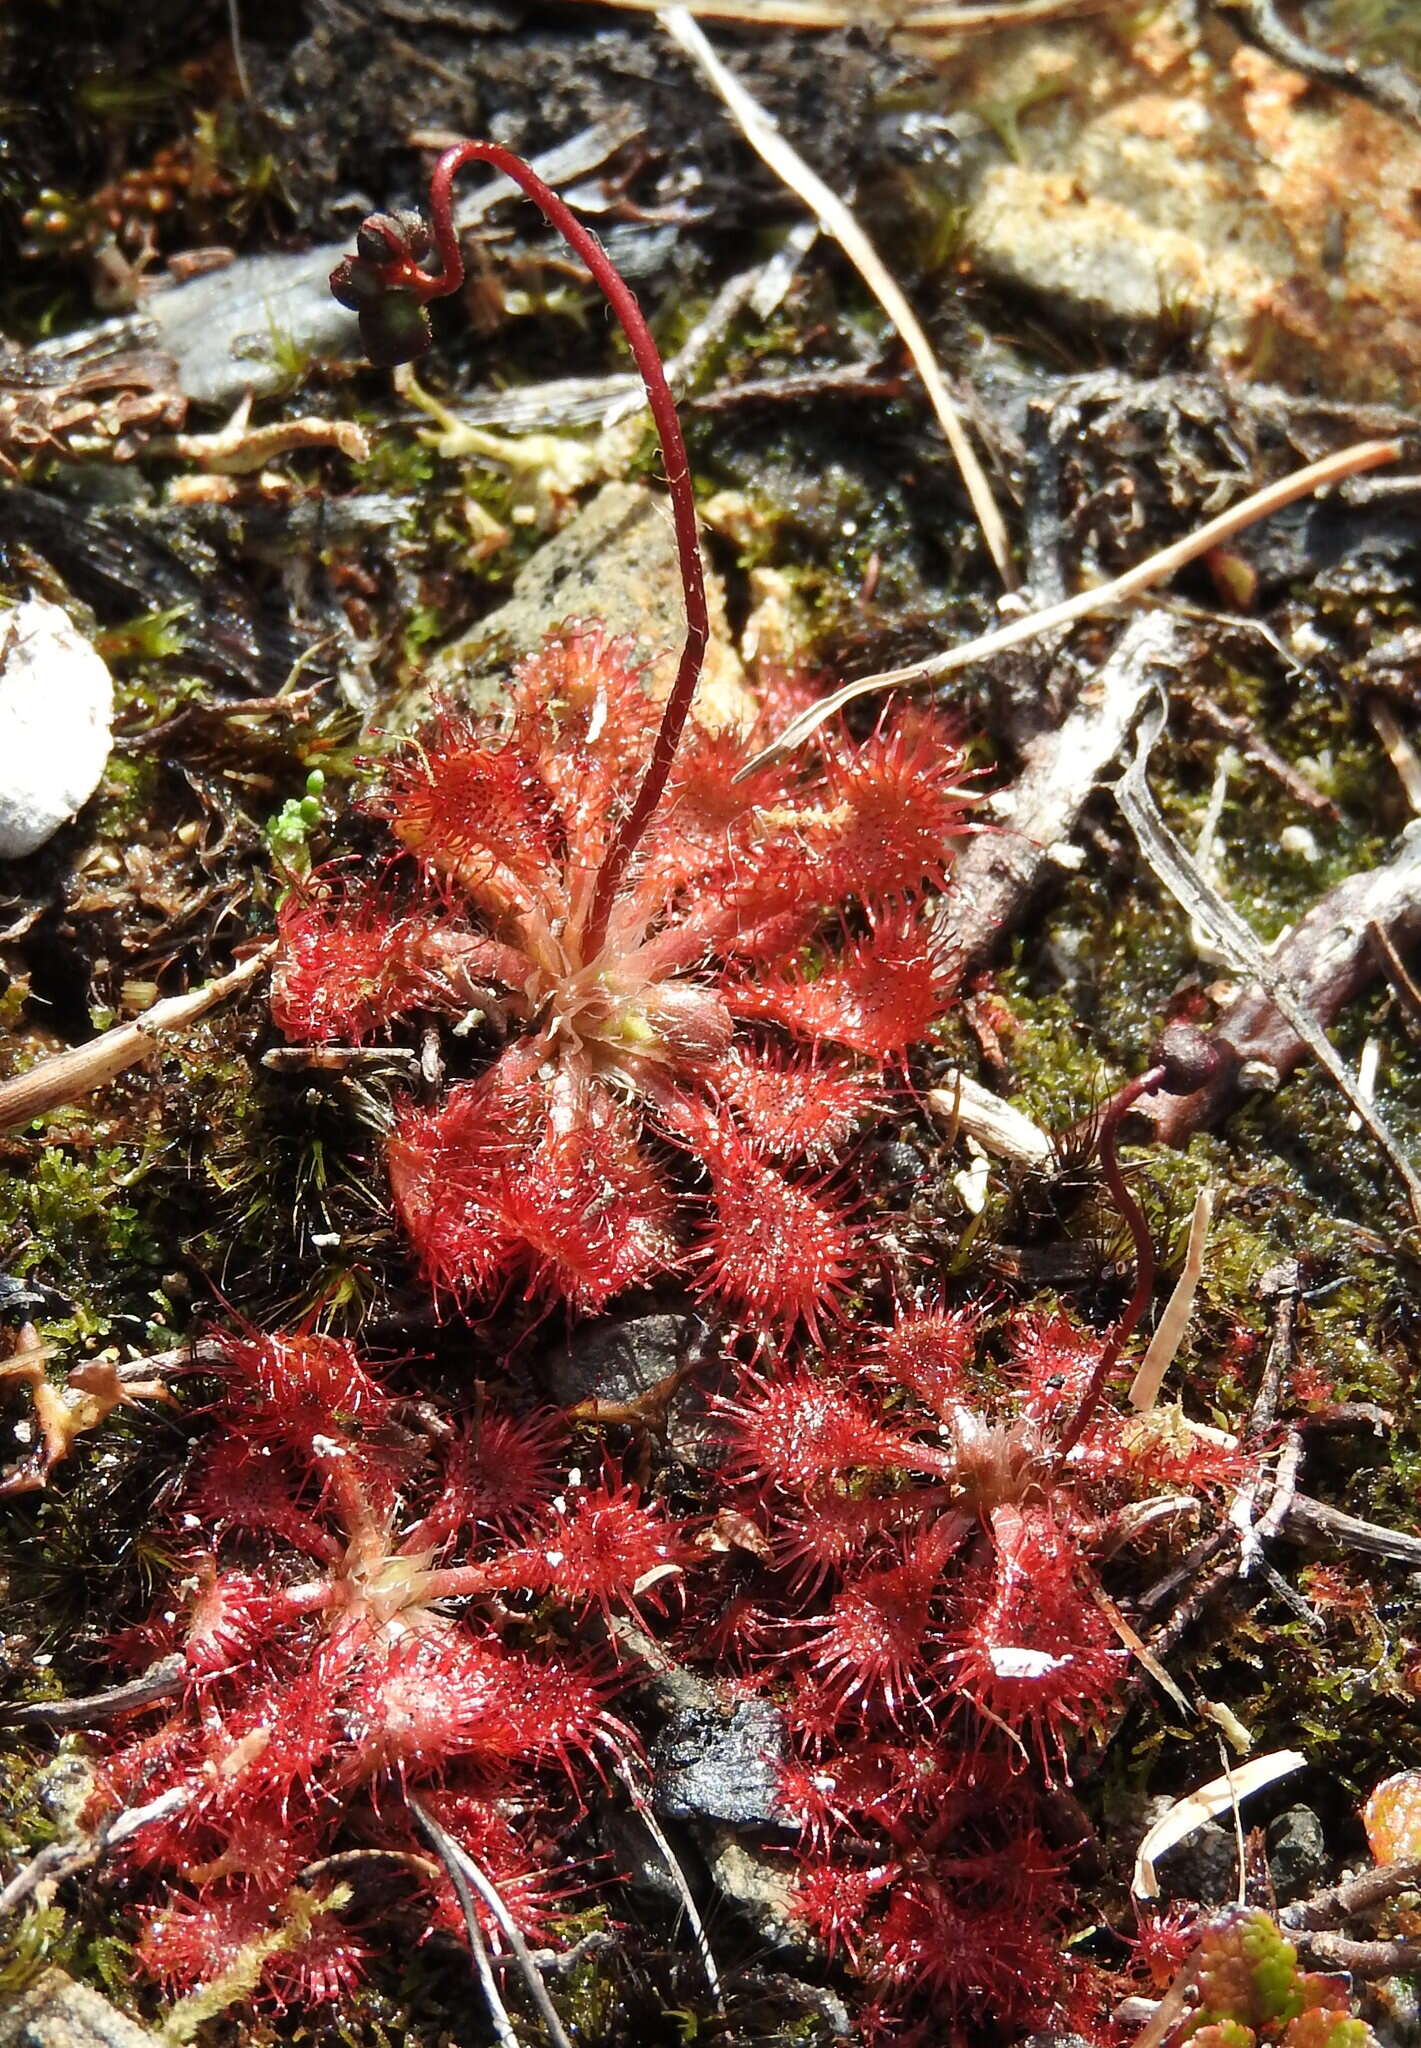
1203 1868
706 1766
614 561
66 1786
1297 1853
55 2012
56 724
243 328
1177 175
639 1863
759 1886
618 1361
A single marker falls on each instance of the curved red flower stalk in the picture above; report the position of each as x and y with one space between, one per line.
681 1073
1184 1058
399 272
1138 1224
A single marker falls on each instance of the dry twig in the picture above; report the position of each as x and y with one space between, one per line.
1388 86
999 871
158 1682
1231 725
69 1075
1309 1520
914 18
1354 1895
61 1859
1363 1958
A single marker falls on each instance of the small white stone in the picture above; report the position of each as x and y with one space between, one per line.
1299 842
1010 1662
56 724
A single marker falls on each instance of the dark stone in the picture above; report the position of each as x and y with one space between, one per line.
1297 1853
1203 1868
624 1358
708 1767
621 1358
902 1162
638 1861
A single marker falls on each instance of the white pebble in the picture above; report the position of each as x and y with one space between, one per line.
56 724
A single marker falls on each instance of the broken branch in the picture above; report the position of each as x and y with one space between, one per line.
56 1082
999 871
1231 939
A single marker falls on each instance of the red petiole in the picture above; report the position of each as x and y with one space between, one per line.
1144 1254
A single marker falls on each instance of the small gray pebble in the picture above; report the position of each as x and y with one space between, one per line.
1297 1853
708 1767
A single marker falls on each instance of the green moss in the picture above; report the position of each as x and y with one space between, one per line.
83 1221
587 1993
37 1808
152 637
1379 28
399 462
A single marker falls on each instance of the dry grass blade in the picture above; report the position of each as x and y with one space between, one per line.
694 1921
835 219
447 1850
1169 1332
1170 2009
1104 597
1189 1814
522 1954
913 18
1400 752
